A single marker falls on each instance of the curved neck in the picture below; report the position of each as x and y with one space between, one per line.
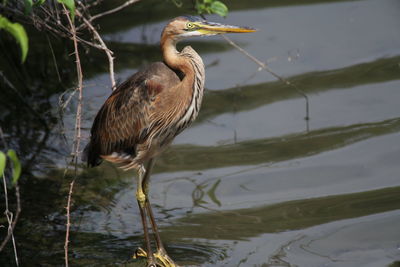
172 57
192 85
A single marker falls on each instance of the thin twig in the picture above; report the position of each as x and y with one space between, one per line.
68 225
94 3
44 18
51 24
103 47
54 59
108 12
12 221
9 216
266 68
77 136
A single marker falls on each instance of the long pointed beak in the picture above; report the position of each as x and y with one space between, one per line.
217 28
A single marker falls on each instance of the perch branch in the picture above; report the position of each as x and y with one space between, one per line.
77 136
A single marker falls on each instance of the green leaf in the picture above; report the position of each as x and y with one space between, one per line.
177 3
219 8
70 4
19 33
39 2
201 9
3 160
28 6
16 170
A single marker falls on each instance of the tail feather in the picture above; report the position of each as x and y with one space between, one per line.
90 156
125 160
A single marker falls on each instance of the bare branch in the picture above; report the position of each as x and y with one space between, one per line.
103 47
51 24
108 12
12 221
47 18
94 3
68 208
77 136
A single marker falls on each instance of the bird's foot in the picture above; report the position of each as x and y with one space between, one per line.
161 256
141 253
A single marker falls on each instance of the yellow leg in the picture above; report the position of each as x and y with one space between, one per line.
163 259
140 194
161 255
141 197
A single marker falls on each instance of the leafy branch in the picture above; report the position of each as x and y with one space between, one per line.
16 173
211 7
16 165
206 7
18 32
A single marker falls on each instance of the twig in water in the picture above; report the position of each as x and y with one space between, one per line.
68 225
266 68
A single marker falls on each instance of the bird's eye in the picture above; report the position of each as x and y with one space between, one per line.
190 25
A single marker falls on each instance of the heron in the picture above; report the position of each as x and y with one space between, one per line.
146 112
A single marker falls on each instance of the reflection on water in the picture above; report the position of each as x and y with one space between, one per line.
246 185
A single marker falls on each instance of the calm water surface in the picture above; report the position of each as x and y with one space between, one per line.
251 183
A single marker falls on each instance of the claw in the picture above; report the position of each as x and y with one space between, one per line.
139 253
161 256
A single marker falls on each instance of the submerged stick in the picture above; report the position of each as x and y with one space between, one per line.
269 70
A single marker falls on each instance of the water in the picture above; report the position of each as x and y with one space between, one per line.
251 183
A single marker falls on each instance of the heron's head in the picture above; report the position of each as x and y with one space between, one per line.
187 26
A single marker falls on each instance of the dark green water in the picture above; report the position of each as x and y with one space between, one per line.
251 183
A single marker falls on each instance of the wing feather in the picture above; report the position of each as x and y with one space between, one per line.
123 121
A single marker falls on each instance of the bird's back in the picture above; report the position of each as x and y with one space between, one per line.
123 121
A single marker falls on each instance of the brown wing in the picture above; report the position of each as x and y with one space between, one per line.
123 120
